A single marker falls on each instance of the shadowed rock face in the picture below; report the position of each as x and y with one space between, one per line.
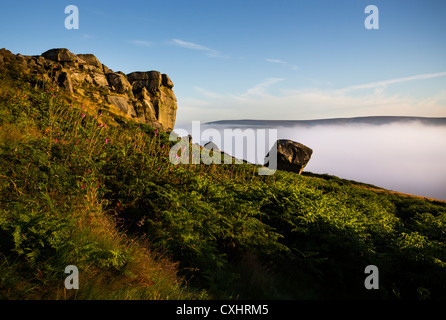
155 92
211 146
291 156
145 96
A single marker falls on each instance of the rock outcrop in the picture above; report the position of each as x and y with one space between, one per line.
291 156
145 96
211 146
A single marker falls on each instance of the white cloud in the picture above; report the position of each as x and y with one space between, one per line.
275 61
141 43
208 93
386 83
260 89
284 63
190 45
88 36
193 46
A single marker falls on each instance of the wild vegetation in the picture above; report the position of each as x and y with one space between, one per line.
82 185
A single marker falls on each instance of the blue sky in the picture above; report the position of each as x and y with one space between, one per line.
259 59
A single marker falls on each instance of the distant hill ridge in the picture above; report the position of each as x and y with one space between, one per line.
372 120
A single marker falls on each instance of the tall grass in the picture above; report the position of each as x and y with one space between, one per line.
52 210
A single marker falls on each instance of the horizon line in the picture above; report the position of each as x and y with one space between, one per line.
340 118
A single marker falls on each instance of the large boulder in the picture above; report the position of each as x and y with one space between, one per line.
211 146
61 55
165 81
291 156
166 107
122 104
119 82
90 59
151 80
148 111
99 79
155 89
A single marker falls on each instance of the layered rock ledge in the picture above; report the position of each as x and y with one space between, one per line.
147 97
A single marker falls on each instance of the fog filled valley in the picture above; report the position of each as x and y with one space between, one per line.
403 156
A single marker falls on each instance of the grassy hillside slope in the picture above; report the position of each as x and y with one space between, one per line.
81 185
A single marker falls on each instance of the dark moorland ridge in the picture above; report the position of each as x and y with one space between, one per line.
372 120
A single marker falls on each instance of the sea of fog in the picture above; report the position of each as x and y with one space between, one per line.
408 157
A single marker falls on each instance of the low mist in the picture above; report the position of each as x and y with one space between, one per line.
408 157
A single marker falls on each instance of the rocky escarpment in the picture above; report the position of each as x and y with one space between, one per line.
145 96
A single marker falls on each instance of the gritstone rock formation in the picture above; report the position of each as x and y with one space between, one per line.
211 146
291 156
145 96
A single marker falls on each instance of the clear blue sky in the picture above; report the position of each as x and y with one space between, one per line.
238 59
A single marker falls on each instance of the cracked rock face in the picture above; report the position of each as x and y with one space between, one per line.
145 96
